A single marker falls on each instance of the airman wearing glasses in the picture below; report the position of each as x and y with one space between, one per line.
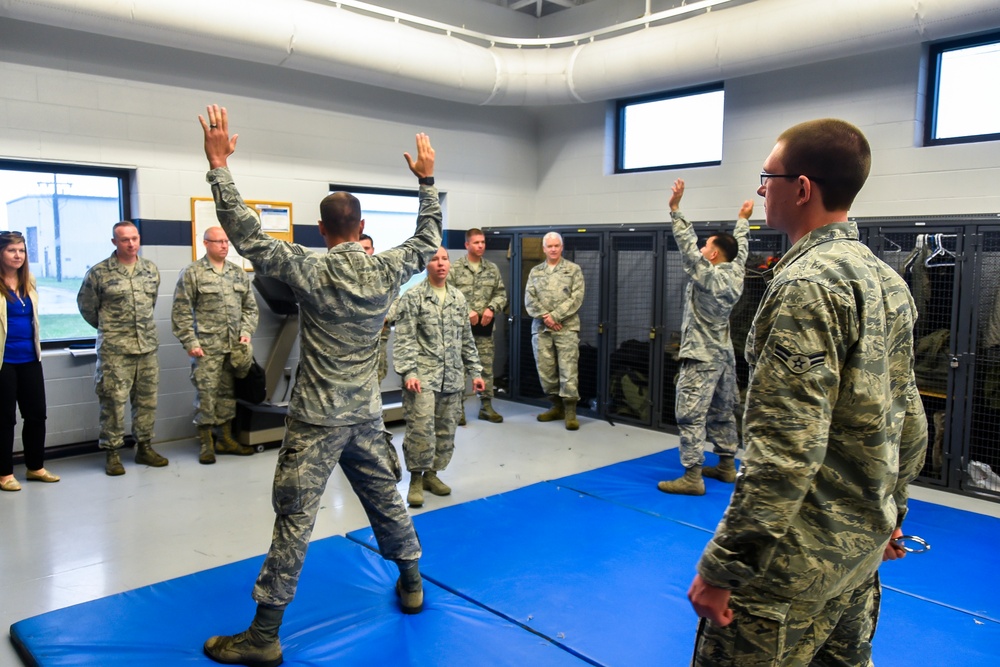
117 298
834 428
214 311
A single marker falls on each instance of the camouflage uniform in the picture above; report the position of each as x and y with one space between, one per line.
119 304
335 411
706 389
434 344
834 431
213 310
557 291
482 289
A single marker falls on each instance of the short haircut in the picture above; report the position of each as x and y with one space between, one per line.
833 153
123 223
340 213
365 237
556 235
475 231
726 243
205 235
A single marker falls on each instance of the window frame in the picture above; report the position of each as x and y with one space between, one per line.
124 176
623 104
933 88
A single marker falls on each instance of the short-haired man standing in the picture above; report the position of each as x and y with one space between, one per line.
707 395
553 297
214 311
834 428
335 414
480 282
117 298
434 351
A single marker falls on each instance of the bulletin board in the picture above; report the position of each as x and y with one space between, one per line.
275 220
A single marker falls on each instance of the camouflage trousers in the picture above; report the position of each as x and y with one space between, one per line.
557 358
705 409
484 345
214 400
771 633
126 377
306 459
431 421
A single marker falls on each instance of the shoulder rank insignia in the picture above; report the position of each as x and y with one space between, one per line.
799 363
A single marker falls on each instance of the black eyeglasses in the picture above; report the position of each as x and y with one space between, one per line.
11 235
216 240
764 176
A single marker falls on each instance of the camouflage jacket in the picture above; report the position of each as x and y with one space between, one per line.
711 292
558 292
213 310
483 289
434 341
343 297
834 427
120 305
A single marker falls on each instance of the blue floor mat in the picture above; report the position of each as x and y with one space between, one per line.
956 536
589 569
607 582
345 613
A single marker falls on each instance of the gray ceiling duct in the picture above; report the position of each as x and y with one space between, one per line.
320 38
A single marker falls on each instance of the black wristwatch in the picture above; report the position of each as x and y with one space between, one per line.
426 180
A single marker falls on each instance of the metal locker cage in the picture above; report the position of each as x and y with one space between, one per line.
631 329
928 260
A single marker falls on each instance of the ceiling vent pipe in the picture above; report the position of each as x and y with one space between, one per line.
322 38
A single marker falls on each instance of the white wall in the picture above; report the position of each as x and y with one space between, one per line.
77 98
66 96
878 92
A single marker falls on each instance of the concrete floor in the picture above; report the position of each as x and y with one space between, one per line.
90 535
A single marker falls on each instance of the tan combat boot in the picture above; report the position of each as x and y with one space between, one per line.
724 472
113 464
554 413
257 646
227 444
410 589
206 455
415 496
145 454
434 484
690 484
487 413
572 424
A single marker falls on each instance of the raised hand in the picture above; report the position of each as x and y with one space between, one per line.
676 192
423 166
218 144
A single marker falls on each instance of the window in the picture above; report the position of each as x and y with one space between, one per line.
390 218
963 95
66 214
680 129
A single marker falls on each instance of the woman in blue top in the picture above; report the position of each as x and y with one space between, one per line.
21 381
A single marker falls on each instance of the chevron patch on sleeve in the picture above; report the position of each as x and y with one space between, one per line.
799 363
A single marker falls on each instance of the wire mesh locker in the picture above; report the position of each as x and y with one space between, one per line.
926 259
981 462
630 329
674 282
